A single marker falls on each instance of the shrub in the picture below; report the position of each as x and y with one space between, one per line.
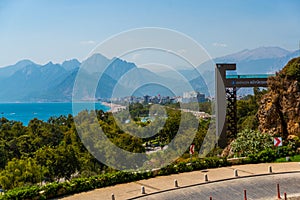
251 142
77 185
292 69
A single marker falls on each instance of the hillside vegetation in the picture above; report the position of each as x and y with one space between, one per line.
274 112
54 151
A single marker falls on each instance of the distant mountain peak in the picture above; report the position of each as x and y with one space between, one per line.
49 63
10 70
27 81
74 60
95 63
256 54
70 65
97 57
25 62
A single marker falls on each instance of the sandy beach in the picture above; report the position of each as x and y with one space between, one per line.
114 108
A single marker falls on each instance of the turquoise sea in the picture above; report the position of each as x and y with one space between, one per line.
24 112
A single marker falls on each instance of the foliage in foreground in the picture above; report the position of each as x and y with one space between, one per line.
295 158
51 151
251 142
77 185
44 152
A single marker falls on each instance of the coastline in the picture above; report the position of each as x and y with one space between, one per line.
25 112
114 108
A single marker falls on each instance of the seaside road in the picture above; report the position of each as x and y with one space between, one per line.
258 188
221 183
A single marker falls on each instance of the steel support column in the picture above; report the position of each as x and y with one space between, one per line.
231 117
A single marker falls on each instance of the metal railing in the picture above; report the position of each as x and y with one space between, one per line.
249 76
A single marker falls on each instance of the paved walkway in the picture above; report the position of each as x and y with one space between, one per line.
161 183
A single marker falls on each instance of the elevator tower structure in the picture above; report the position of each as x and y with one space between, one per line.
226 107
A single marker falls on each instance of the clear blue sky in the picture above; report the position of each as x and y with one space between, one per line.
56 30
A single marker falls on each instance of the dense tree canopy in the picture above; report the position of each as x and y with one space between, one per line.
53 150
247 108
42 151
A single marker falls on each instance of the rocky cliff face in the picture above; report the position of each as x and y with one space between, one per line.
279 111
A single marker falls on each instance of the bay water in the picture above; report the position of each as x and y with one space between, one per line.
24 112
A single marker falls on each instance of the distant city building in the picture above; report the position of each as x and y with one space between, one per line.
187 97
173 100
193 96
158 99
178 99
164 100
146 99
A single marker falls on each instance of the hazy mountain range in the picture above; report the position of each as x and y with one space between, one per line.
27 81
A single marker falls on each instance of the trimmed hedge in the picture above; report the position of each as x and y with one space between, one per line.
74 186
78 185
270 155
198 164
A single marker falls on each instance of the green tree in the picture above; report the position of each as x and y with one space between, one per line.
250 142
21 172
247 108
61 162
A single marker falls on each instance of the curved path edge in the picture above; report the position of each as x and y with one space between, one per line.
216 181
188 180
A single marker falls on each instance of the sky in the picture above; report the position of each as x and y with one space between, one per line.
58 30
